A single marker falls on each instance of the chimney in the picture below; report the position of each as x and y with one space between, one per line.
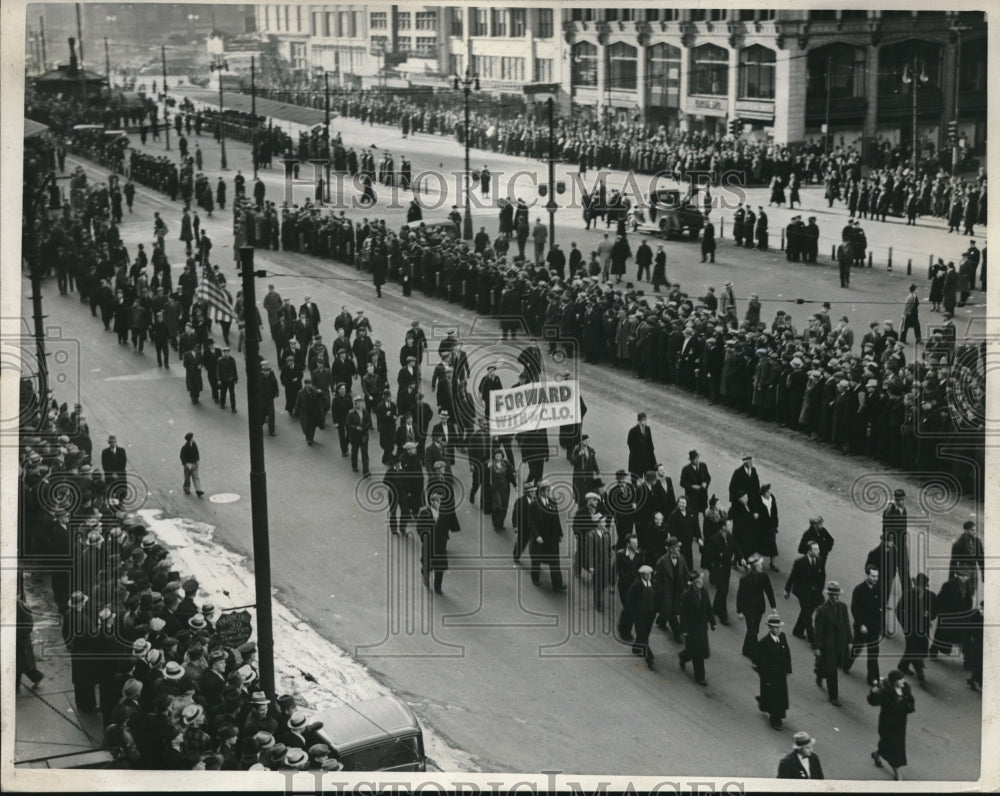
73 66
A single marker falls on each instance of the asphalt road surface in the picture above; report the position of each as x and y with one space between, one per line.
525 679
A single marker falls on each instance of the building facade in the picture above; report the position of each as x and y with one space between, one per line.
785 74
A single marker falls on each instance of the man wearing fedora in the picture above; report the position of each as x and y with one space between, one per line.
640 603
696 617
831 641
801 762
113 463
754 588
773 660
694 481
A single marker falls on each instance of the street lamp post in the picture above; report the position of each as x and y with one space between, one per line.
253 111
221 66
191 18
107 62
826 132
911 77
166 114
467 83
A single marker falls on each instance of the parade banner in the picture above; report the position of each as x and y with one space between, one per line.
538 405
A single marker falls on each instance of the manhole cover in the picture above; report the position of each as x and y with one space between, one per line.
224 497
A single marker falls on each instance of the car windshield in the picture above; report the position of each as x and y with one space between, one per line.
383 756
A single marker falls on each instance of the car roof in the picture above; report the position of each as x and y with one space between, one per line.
351 726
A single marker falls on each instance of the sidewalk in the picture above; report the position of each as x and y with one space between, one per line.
48 730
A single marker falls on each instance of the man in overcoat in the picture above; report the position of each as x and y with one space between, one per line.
671 575
831 641
773 660
696 617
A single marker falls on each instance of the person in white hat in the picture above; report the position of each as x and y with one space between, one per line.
640 602
773 659
801 762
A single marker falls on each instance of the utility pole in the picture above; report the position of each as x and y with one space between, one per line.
955 150
552 173
30 243
79 33
107 62
166 115
258 478
41 32
253 112
826 134
326 129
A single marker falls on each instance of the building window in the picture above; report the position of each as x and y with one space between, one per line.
298 18
584 69
404 44
709 70
427 20
854 15
822 16
267 17
972 68
455 63
357 23
652 14
403 20
298 55
546 25
426 46
287 26
757 72
379 20
670 15
316 26
518 22
330 26
512 68
379 43
719 14
582 15
767 15
896 60
663 75
480 22
456 22
622 60
498 22
611 15
846 65
543 70
746 14
697 15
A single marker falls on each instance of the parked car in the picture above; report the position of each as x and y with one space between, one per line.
380 734
675 216
447 226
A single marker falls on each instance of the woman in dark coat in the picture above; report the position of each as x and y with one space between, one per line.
773 660
499 480
767 526
660 269
895 700
937 286
380 268
696 617
744 525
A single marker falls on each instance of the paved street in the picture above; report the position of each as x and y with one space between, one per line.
513 674
874 294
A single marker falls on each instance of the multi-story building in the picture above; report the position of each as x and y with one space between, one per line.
785 73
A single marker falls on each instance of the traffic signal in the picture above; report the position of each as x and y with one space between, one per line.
735 126
953 131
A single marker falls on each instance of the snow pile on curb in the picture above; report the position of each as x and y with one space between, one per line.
314 670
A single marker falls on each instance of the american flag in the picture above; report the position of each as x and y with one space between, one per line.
218 298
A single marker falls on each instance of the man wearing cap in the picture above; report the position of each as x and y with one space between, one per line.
319 758
359 424
773 660
805 581
695 479
696 617
268 393
897 560
387 415
801 762
831 641
309 409
228 376
754 588
521 519
816 532
189 460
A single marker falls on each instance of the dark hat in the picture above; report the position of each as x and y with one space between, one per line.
189 436
286 701
968 525
899 493
692 454
693 575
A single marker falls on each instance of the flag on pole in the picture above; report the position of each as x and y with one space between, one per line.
218 298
